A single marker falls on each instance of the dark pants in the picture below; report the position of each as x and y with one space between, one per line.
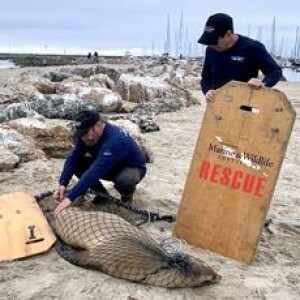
125 180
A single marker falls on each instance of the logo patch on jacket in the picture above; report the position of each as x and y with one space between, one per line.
88 155
107 153
238 58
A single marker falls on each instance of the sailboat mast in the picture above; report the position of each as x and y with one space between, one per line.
168 38
180 34
273 42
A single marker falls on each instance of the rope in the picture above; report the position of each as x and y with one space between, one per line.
288 222
151 216
173 245
43 195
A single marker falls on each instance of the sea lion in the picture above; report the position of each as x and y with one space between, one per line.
112 245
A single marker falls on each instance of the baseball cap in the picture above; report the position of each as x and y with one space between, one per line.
85 120
216 25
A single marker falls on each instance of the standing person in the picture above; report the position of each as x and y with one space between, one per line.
96 56
231 56
101 151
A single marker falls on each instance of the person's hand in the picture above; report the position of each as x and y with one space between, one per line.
59 194
210 95
61 206
256 83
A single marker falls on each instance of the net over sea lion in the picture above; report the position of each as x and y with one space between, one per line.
104 241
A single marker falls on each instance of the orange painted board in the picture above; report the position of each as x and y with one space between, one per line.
234 170
24 230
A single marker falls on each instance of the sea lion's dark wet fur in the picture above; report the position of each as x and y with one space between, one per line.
110 244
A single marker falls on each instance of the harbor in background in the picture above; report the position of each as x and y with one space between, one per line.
291 74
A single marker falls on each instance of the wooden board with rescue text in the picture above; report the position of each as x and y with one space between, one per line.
24 230
234 170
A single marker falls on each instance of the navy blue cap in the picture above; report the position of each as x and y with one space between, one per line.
85 120
216 26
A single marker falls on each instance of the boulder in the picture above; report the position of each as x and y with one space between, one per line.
20 146
7 96
32 80
104 99
8 160
19 110
54 137
101 80
64 106
141 89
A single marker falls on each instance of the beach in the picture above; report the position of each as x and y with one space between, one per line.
274 274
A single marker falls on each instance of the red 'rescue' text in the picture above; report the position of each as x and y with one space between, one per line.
235 179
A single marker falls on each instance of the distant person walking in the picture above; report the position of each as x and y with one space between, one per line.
231 56
89 56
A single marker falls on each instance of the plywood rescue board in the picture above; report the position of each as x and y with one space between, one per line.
24 231
234 170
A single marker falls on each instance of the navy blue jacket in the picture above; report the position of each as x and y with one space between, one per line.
115 150
241 62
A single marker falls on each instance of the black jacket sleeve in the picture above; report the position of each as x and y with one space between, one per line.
268 66
206 82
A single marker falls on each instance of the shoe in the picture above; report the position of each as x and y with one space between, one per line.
100 199
127 198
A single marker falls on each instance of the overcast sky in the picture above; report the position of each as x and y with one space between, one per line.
97 24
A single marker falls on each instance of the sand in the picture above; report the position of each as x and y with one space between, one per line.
274 274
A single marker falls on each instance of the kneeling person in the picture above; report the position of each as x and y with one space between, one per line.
101 151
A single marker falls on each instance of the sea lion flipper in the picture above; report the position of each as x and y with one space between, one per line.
70 254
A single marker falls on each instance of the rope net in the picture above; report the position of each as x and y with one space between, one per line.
107 242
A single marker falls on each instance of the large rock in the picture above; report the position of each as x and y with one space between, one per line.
61 74
73 84
110 72
61 106
101 80
20 146
31 80
52 106
104 99
54 137
159 106
141 89
64 73
19 110
191 82
96 88
19 93
7 96
8 160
